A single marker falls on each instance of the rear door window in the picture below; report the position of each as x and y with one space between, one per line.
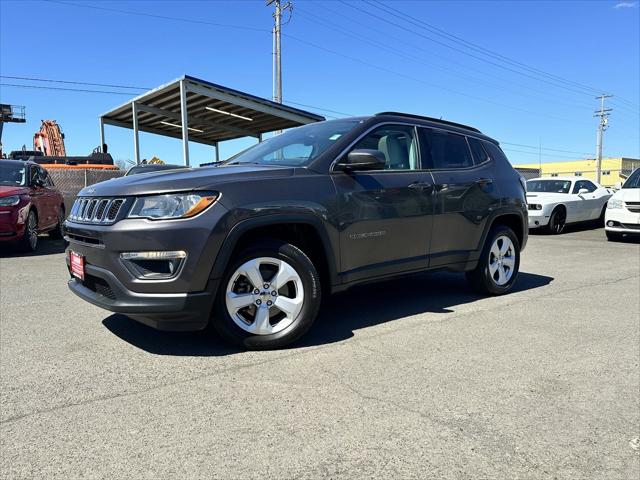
444 150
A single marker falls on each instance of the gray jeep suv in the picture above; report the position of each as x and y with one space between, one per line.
250 246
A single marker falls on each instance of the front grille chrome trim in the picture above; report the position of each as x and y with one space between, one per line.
96 211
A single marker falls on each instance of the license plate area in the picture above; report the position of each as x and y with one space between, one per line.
77 264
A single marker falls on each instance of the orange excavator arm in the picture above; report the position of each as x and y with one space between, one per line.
50 139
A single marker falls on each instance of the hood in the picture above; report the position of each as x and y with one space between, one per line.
182 180
628 194
7 190
546 197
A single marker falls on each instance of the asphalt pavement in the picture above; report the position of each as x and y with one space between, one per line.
411 378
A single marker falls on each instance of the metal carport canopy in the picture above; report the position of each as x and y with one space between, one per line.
196 110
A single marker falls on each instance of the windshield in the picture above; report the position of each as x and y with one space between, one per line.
12 174
549 186
295 147
634 180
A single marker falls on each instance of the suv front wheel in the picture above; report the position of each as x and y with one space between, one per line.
499 263
268 298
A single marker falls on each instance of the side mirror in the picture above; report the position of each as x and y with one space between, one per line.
582 191
617 186
363 159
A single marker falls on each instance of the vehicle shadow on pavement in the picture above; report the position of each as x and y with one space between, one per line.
341 314
370 305
571 228
192 344
46 246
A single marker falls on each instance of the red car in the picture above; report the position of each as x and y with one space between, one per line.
29 204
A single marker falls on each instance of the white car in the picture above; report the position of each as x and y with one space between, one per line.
623 210
556 201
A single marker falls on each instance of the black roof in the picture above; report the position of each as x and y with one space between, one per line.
430 119
16 162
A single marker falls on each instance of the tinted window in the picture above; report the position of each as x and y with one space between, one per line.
12 174
634 180
479 153
47 179
396 142
33 175
445 150
584 184
549 186
494 151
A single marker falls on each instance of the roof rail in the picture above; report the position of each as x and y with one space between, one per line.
431 119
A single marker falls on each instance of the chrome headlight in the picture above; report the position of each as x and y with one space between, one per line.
172 206
615 203
10 201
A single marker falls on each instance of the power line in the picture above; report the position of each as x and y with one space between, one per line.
164 17
457 74
562 157
459 50
467 44
550 149
43 87
32 79
344 114
161 17
419 80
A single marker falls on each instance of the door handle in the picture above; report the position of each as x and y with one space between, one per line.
484 181
425 187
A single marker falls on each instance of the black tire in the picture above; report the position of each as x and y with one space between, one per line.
58 231
229 331
558 221
481 278
613 236
29 240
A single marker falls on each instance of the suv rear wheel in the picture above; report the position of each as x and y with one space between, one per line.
268 298
499 262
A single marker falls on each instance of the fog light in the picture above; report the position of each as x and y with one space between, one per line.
537 222
154 265
611 223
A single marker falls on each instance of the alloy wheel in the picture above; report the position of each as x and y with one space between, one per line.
32 231
264 296
502 260
559 221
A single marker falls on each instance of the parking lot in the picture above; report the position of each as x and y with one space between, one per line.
413 378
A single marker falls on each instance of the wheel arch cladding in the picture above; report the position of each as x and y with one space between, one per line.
305 234
514 222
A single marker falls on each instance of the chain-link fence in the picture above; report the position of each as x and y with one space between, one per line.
528 173
71 181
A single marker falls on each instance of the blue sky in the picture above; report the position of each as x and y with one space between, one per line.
353 58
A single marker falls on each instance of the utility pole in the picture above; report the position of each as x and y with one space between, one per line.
603 113
277 49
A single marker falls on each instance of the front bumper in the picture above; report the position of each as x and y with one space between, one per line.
173 312
12 222
623 221
183 302
538 218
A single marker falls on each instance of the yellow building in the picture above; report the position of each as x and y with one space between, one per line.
614 170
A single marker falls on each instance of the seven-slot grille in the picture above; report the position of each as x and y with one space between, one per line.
633 206
96 210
